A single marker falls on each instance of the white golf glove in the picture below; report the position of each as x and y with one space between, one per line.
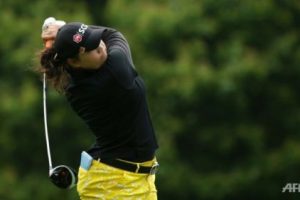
49 30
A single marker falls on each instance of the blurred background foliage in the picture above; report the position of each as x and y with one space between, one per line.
223 82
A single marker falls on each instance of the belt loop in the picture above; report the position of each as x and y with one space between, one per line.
137 167
154 168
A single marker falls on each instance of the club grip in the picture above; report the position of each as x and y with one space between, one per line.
48 42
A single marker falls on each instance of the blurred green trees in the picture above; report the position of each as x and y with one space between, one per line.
222 78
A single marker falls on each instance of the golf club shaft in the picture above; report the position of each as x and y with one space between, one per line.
45 123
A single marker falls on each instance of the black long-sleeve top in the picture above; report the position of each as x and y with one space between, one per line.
112 102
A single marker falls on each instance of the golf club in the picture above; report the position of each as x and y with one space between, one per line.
62 176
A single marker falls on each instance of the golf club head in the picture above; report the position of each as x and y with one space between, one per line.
63 177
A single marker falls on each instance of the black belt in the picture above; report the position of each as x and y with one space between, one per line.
137 168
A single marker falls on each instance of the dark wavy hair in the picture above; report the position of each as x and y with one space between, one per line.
55 69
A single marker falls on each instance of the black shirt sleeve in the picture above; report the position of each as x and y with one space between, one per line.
115 40
119 59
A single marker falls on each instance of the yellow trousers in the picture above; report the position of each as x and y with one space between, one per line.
102 181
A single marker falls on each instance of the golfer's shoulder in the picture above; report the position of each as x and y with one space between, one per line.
119 57
117 53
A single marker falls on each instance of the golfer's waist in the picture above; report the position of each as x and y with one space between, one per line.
148 167
124 154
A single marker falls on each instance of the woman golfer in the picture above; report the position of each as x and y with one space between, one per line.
93 68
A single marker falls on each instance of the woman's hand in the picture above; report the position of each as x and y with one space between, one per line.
49 30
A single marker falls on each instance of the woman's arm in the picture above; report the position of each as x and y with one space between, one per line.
115 42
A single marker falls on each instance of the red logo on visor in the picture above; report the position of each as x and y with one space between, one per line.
77 38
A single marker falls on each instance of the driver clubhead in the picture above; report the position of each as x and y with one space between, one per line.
63 177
